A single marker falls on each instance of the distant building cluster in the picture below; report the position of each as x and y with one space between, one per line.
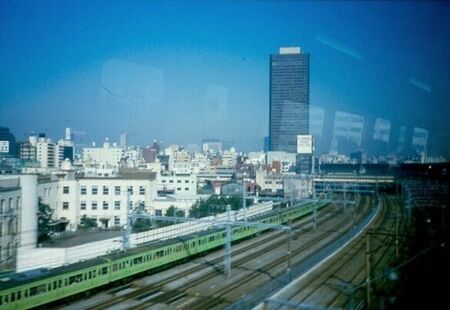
105 183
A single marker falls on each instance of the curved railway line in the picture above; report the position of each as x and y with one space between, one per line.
186 288
341 281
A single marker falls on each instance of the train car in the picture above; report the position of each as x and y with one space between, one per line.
27 290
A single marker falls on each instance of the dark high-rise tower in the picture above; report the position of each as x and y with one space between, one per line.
289 98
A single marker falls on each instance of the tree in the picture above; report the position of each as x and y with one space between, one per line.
44 218
87 222
216 204
173 211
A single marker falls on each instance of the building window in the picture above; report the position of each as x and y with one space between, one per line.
94 190
178 188
141 190
130 190
65 205
116 205
94 205
116 220
65 189
83 190
186 181
163 181
158 212
105 190
83 205
178 181
105 205
116 190
186 188
170 181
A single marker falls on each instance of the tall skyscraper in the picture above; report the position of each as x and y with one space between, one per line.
289 98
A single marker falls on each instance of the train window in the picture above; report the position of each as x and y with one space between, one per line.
159 254
193 244
76 278
66 282
104 270
148 257
26 293
114 267
85 276
13 297
211 238
36 290
49 287
6 299
55 285
1 300
123 265
19 295
137 260
94 273
60 284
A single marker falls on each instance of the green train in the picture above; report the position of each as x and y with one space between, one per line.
27 290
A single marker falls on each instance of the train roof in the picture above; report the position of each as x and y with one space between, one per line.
25 277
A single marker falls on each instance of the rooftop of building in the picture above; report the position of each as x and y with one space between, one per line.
70 239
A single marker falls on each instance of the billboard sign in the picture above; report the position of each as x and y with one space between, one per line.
304 144
4 146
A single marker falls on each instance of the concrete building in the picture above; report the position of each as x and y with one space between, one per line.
110 154
102 199
170 182
289 98
286 160
123 140
214 146
229 158
27 151
18 223
46 153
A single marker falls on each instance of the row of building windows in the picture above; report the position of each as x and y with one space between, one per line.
105 190
105 205
9 204
178 181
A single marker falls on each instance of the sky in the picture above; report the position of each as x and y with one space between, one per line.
182 71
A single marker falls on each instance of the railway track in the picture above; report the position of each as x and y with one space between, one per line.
152 288
340 282
186 295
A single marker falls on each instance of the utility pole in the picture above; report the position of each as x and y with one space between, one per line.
368 277
397 216
128 229
289 258
227 267
244 203
314 206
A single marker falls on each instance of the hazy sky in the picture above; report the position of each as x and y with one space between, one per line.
183 71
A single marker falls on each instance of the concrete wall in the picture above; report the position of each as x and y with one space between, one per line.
54 257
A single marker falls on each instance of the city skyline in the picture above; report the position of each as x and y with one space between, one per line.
137 70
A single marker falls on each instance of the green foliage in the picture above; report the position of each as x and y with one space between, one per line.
172 211
44 220
87 223
216 204
141 224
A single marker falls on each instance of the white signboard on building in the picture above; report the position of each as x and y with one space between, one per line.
4 146
304 144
